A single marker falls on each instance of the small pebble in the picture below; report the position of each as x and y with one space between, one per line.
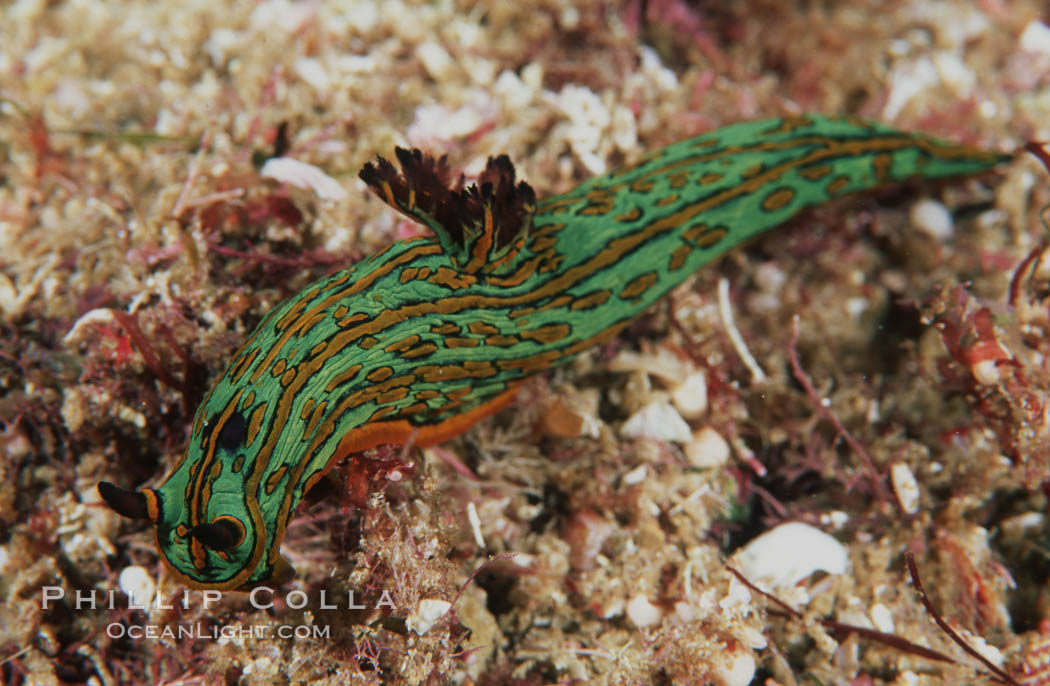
661 362
734 666
635 476
659 421
428 612
954 73
314 73
788 553
933 219
881 618
905 486
641 612
1035 37
138 585
435 59
985 372
690 396
707 449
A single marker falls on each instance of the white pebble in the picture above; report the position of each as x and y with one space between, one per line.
987 650
855 307
435 59
985 372
907 79
569 19
955 73
933 219
659 421
882 618
642 612
475 524
635 476
314 73
661 363
907 678
788 553
138 585
1036 37
435 122
707 449
624 131
769 277
428 612
220 44
836 519
1020 523
512 91
690 396
737 599
905 486
734 666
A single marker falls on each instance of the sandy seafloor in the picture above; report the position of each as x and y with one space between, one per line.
603 507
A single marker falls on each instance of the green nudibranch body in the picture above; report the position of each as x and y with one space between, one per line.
425 337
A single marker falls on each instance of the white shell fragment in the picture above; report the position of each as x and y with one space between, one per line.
635 476
707 449
933 219
435 59
659 421
1035 37
138 585
734 666
905 486
690 396
986 372
302 175
102 315
882 618
787 554
641 612
660 362
428 612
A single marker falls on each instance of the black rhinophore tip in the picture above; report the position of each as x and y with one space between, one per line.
130 504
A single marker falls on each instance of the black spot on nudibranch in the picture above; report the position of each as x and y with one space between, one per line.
231 437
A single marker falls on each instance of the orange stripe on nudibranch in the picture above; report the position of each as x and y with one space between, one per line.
548 333
404 343
778 199
380 374
678 258
814 173
445 329
639 285
836 185
255 423
595 299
